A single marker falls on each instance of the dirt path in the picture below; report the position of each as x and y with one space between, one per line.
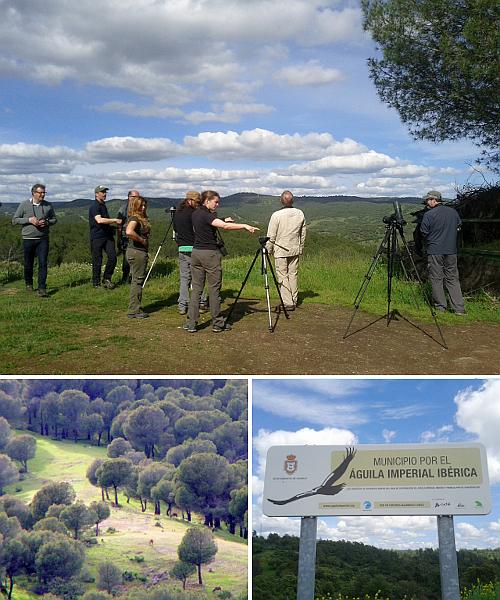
310 342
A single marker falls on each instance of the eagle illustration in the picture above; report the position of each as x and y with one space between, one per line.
326 488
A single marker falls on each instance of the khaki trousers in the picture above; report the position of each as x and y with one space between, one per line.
138 260
286 273
205 264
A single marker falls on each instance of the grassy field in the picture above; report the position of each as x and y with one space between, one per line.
132 529
79 324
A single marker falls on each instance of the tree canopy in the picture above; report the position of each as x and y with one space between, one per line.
440 67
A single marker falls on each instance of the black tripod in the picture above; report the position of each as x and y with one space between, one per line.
389 245
172 214
265 262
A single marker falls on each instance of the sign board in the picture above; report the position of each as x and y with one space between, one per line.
389 479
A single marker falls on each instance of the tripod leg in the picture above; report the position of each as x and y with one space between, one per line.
266 286
277 286
422 287
367 278
391 253
242 286
152 265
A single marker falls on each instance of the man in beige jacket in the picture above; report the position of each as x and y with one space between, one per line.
287 234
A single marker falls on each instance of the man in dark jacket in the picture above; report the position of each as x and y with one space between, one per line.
440 227
35 216
102 239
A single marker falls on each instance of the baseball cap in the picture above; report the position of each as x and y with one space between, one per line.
101 188
433 194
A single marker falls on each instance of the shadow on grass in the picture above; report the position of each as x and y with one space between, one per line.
159 304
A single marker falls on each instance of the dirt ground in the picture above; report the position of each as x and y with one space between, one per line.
310 342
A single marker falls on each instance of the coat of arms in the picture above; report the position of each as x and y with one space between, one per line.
290 464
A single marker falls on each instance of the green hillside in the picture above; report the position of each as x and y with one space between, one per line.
125 537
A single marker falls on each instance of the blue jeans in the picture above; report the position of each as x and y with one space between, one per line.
38 248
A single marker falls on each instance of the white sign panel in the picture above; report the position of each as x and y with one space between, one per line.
390 479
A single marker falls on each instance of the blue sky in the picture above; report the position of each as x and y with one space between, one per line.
170 95
378 411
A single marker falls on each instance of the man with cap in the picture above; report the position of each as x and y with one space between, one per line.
35 216
122 239
184 236
102 239
439 227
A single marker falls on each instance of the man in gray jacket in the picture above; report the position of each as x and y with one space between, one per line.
287 234
35 216
440 226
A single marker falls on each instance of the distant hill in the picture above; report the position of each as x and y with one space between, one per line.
231 200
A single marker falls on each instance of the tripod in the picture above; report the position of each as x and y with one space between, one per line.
389 244
265 262
172 213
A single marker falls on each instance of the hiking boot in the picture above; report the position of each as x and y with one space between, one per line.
183 310
220 329
189 328
139 315
29 288
204 308
42 292
108 284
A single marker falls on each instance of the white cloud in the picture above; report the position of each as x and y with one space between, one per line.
478 412
439 435
388 435
130 149
363 162
309 74
34 158
262 144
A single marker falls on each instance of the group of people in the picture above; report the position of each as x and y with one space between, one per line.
197 232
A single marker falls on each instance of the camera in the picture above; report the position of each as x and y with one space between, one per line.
263 240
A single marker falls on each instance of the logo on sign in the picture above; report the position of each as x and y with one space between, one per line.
290 464
367 505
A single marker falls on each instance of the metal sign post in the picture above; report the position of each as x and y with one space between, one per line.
448 566
307 558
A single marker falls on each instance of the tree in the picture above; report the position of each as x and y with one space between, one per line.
198 548
118 447
238 507
59 492
114 472
22 448
91 474
51 524
8 472
13 557
109 576
101 512
5 433
77 518
14 507
10 407
144 427
73 404
182 570
59 557
440 67
206 476
148 478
